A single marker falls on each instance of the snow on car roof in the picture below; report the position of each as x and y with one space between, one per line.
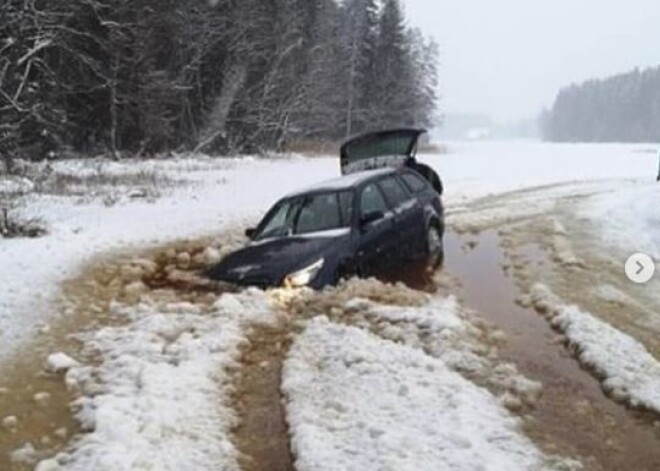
343 183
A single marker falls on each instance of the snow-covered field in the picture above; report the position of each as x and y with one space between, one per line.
157 394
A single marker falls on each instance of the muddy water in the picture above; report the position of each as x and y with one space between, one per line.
46 425
573 416
262 435
50 426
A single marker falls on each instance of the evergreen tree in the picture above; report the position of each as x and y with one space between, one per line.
623 108
394 82
150 76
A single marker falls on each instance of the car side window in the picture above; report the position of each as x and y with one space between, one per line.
394 191
280 221
372 200
414 183
319 213
346 206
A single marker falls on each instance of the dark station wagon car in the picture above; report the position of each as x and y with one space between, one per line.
362 224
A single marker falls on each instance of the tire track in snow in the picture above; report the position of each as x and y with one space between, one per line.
261 435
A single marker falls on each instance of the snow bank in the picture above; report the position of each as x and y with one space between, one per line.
157 395
629 372
355 402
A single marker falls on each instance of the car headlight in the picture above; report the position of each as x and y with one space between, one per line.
305 276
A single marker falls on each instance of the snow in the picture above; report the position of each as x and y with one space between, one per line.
471 170
15 186
158 394
217 198
628 218
628 371
10 422
441 328
355 402
223 192
343 183
329 234
59 362
25 455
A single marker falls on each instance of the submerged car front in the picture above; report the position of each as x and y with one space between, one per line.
301 242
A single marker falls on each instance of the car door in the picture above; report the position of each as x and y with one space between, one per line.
377 240
408 217
428 200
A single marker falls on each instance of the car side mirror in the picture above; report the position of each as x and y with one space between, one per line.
371 217
249 233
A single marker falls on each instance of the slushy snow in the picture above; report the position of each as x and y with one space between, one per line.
356 402
160 396
59 362
628 371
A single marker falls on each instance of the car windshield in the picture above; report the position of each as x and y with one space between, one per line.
307 214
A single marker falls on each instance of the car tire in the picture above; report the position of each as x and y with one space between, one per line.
434 247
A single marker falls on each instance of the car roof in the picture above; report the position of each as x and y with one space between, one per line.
344 183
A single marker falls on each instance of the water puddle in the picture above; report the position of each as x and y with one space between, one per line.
39 401
573 416
262 434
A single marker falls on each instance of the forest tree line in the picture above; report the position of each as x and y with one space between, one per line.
141 77
623 108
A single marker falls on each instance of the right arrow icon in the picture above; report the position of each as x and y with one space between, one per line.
640 268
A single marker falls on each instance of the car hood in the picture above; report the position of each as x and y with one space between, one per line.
266 263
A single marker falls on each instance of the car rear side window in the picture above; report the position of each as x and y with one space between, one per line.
372 200
394 191
414 183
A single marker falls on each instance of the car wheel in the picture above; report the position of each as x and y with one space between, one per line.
434 247
346 271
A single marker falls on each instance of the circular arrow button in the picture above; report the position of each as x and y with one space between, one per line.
640 268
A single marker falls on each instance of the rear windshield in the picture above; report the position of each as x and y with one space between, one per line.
394 144
307 214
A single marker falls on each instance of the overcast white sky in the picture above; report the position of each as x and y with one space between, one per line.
508 58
